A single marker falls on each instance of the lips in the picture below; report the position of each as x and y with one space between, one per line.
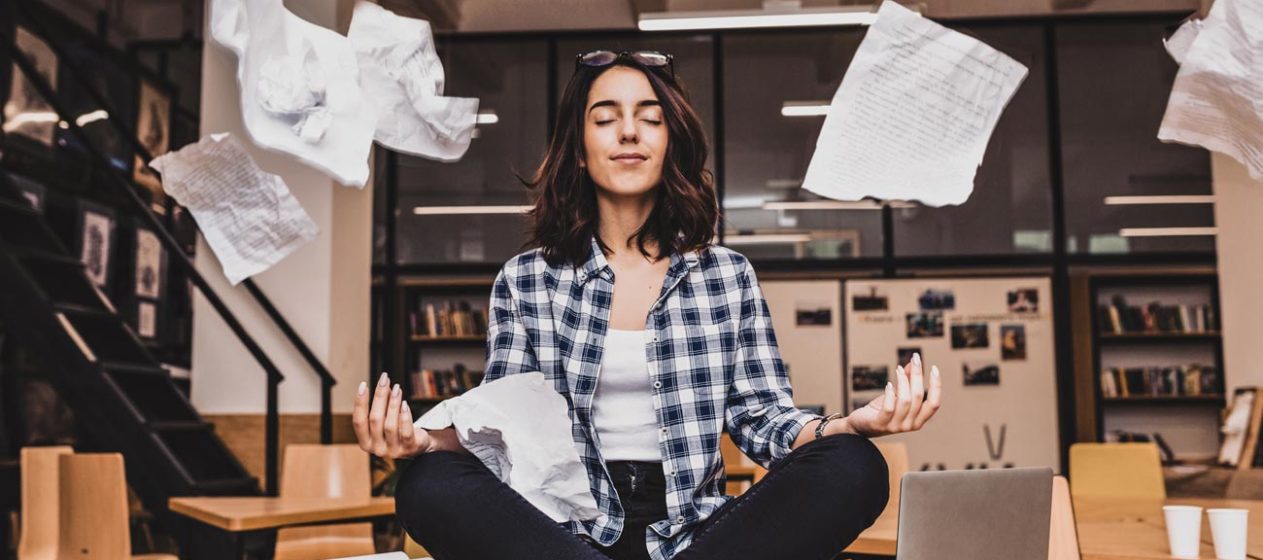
629 157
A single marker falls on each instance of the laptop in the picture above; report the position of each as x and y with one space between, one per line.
993 514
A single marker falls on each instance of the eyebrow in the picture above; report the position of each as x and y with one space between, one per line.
612 103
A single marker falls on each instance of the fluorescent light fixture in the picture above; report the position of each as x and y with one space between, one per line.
31 117
766 238
97 115
1160 199
487 117
835 205
1168 232
738 19
459 210
805 109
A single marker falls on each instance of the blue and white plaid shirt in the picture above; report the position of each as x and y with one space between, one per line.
713 361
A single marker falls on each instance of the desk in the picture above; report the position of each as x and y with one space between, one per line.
220 525
1109 529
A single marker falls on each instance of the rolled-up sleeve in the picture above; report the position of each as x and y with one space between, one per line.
761 415
509 348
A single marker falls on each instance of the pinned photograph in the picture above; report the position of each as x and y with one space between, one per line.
869 378
937 299
981 373
927 324
1012 342
872 301
905 355
812 314
1024 300
972 335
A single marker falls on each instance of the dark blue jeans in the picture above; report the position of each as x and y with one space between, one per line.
811 505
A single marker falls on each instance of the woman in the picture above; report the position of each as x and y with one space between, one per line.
659 341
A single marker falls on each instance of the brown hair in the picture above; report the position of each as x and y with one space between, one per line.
565 215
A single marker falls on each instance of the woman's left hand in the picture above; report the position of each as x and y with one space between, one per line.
904 407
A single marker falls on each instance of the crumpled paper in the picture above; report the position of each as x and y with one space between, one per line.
402 74
519 427
248 216
299 83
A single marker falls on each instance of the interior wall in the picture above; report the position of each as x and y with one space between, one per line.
1238 202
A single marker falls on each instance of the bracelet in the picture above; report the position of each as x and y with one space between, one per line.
825 421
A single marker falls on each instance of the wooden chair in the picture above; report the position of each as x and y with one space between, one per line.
325 471
1116 470
37 538
896 455
1063 536
93 509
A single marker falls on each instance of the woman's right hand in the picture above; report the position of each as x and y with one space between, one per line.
385 428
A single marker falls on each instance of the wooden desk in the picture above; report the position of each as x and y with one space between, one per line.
1109 529
221 525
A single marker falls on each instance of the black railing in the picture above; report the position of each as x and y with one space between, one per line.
127 190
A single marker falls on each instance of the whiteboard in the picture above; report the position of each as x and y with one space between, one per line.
999 396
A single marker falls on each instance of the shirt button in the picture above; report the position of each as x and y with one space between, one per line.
664 432
679 520
657 384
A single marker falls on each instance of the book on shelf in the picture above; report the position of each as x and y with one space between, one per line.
1171 381
447 319
1155 318
439 384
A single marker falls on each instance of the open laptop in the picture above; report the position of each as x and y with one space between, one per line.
999 514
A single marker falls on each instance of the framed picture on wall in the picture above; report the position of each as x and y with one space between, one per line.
26 113
151 263
147 319
153 127
96 242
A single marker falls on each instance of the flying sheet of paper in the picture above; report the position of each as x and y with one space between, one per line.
519 427
1178 44
299 87
403 76
1217 99
913 115
249 217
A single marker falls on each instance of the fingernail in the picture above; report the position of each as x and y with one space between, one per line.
396 391
934 371
889 386
363 388
383 380
403 407
899 370
916 358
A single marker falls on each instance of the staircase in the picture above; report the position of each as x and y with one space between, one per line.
121 396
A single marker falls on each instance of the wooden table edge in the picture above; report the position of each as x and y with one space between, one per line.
375 507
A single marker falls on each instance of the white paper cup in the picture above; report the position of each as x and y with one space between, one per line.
1228 527
1184 530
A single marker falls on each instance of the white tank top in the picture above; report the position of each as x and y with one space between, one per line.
622 408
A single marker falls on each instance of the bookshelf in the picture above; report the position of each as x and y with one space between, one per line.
441 336
1158 359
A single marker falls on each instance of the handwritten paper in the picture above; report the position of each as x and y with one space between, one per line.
913 114
402 74
1217 99
535 457
249 217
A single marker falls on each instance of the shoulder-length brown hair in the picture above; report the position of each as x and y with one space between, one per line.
564 217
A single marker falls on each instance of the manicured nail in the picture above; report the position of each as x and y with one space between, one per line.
362 389
916 358
934 371
403 407
890 386
396 391
383 380
899 370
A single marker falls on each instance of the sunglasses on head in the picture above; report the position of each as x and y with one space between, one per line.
602 58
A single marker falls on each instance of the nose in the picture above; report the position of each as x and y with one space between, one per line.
627 131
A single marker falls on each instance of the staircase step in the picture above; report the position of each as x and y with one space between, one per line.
27 254
169 426
133 368
74 309
8 205
244 486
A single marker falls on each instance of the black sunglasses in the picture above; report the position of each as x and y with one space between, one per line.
602 58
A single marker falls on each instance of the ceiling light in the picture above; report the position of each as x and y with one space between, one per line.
805 109
1167 232
766 238
737 19
458 210
1160 199
86 118
835 205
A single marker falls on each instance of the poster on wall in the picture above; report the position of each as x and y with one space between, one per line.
153 126
26 113
150 258
992 340
96 230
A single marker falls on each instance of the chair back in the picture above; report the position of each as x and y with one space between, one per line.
93 507
1063 535
37 538
1116 470
896 455
325 471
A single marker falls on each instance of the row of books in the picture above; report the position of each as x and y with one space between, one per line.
437 384
1188 380
1120 318
449 318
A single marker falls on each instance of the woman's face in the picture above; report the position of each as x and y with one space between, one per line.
624 135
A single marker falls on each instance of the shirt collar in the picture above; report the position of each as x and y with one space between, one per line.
596 265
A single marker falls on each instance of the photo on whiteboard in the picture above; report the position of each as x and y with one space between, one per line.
812 314
981 373
932 299
970 335
1012 342
1024 300
872 301
927 324
869 378
905 355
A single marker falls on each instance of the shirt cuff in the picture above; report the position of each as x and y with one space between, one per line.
793 422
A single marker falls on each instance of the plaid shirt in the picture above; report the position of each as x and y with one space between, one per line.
712 358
